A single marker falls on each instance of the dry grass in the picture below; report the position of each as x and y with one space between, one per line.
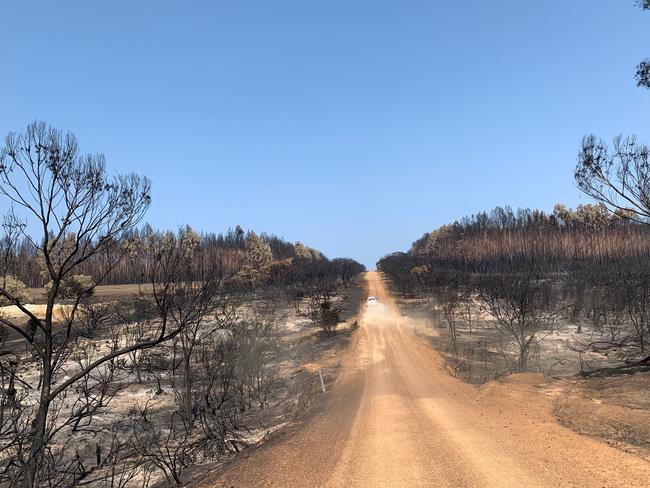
102 292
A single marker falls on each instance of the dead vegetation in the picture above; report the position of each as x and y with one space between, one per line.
139 390
566 294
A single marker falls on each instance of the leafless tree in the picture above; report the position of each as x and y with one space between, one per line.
181 301
115 465
95 390
14 420
91 319
317 281
620 178
82 213
169 445
220 405
621 314
467 306
10 235
448 298
521 306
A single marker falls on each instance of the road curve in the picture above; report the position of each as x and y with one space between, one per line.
395 418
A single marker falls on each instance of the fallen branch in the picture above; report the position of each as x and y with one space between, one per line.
631 368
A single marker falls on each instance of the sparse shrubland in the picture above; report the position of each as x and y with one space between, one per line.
140 389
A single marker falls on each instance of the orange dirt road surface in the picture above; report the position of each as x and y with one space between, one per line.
395 418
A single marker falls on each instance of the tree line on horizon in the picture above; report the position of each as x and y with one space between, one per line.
235 251
529 269
510 241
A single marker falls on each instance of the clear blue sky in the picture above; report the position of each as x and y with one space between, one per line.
353 126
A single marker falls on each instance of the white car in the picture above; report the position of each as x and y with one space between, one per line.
372 300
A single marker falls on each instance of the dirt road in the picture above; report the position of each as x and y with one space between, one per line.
395 418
